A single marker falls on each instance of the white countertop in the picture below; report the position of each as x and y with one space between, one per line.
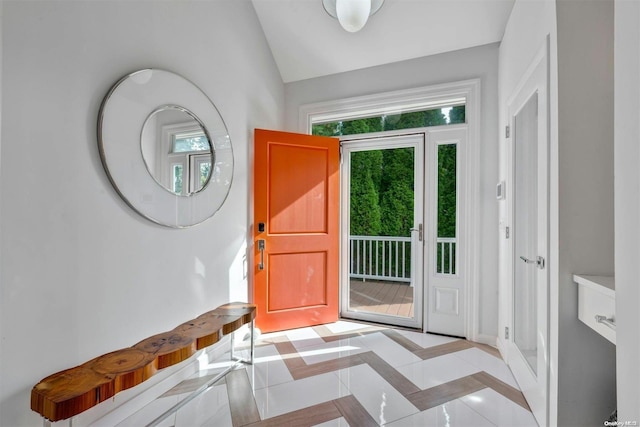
603 284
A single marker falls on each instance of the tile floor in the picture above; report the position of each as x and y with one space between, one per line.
352 374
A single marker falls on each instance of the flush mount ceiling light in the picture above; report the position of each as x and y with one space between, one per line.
352 14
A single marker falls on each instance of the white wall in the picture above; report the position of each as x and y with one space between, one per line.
81 273
586 361
582 384
1 182
480 62
627 205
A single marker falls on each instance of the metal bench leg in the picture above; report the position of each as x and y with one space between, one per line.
233 345
252 336
252 331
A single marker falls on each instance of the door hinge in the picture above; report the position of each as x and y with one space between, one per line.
506 232
506 332
507 131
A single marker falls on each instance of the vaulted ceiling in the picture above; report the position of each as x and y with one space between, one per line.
306 42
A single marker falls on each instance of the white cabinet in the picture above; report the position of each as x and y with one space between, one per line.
597 304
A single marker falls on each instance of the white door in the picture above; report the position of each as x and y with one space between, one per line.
446 296
528 351
382 181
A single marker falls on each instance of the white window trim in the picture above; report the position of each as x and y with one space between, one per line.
395 102
196 160
467 91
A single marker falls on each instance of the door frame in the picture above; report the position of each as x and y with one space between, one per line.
419 98
534 80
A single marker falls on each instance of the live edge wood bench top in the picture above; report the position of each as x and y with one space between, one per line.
72 391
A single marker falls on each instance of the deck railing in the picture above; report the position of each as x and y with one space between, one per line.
389 258
380 258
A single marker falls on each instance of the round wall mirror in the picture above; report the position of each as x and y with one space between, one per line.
176 150
165 148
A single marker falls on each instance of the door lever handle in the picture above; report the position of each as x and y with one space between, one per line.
261 246
539 261
420 231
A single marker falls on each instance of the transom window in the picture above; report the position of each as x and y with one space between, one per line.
448 115
188 142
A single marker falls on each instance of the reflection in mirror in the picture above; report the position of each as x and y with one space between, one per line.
176 150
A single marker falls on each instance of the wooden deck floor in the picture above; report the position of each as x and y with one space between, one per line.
382 297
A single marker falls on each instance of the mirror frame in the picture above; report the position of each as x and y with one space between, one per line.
122 115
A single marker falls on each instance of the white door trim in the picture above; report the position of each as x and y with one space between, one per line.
394 102
534 81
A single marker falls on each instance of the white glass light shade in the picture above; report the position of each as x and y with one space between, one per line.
330 6
353 14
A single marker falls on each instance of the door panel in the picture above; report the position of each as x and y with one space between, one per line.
525 236
382 215
446 293
296 205
307 270
298 189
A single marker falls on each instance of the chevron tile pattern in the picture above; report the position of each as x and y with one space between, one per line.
353 374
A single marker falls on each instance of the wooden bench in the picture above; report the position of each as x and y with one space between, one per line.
72 391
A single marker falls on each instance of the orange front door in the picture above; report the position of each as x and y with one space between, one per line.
295 230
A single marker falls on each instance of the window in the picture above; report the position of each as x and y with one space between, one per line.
190 159
447 199
448 115
193 141
178 171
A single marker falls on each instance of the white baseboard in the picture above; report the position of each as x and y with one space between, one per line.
486 339
502 347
